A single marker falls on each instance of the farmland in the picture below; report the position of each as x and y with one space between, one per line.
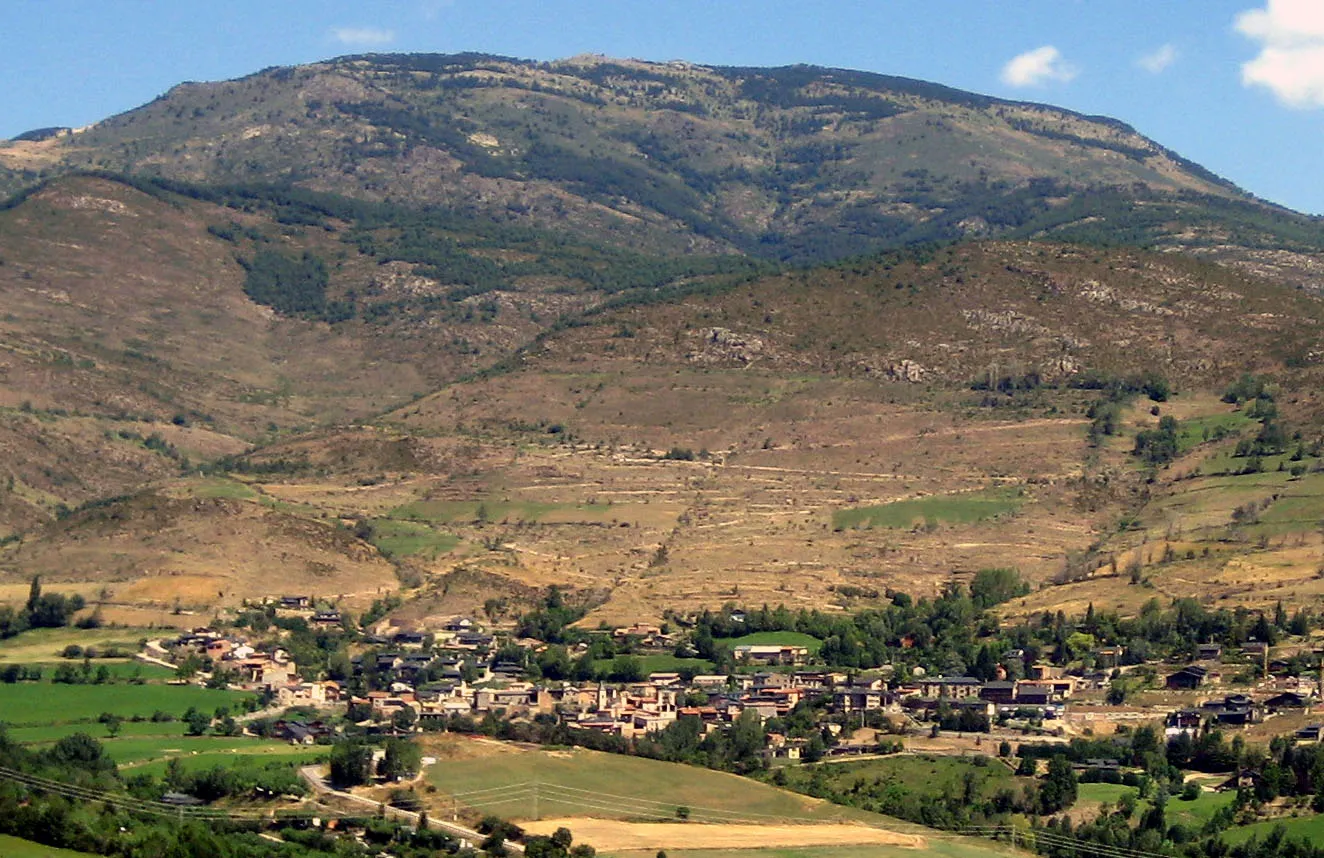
623 803
942 847
247 754
46 645
619 787
45 703
931 511
406 538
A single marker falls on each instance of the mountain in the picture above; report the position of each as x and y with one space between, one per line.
463 327
795 164
818 435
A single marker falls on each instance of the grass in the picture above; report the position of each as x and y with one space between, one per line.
45 645
924 776
118 669
14 847
1195 813
257 754
145 746
625 787
1224 463
396 538
777 638
1105 793
1300 502
55 732
138 749
46 703
962 508
1310 827
1194 431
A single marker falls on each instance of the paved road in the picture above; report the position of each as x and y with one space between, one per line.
313 775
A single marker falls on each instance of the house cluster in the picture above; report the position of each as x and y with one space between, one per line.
632 709
449 670
271 671
1046 693
456 634
1206 669
1238 710
646 637
644 707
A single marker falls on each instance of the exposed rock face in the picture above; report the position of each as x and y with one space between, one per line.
908 371
1064 365
1003 321
723 345
904 370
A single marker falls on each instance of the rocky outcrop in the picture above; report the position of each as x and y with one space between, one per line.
723 345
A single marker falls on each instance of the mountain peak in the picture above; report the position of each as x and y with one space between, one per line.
796 163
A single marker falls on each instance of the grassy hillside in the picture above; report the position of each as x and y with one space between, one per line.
13 847
154 331
819 435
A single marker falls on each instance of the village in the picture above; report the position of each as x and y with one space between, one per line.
420 679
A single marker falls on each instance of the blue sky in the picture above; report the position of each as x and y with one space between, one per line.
1237 85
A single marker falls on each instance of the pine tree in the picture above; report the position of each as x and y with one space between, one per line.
34 593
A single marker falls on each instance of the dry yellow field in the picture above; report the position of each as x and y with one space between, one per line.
608 835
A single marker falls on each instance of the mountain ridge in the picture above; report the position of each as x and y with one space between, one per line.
796 163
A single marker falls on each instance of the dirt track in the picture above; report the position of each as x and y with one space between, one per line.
611 835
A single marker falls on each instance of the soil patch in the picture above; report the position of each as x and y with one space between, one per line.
612 835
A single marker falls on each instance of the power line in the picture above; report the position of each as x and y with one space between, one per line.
492 789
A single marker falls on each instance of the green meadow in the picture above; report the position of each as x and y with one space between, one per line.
962 508
46 703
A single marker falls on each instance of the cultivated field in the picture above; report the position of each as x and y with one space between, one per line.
956 847
625 787
46 703
619 803
250 753
614 836
44 646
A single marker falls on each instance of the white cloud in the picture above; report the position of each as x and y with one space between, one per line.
1290 64
363 37
432 8
1158 60
1038 67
